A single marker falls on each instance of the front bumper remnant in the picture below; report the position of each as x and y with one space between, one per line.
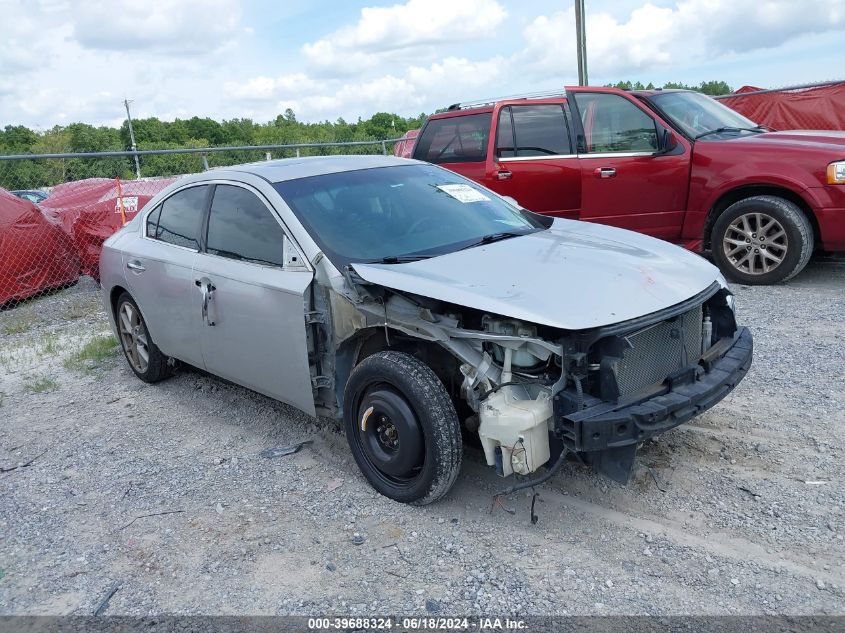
607 434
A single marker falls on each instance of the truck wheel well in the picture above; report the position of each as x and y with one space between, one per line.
740 193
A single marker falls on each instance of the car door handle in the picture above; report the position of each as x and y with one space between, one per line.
503 174
605 172
135 265
207 289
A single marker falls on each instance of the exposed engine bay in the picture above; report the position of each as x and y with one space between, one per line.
529 392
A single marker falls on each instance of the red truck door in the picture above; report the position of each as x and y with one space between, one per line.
623 182
532 159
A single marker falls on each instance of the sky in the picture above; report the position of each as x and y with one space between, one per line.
63 61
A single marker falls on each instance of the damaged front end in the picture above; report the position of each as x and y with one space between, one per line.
533 393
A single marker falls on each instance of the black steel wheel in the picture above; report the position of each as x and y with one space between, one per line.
402 428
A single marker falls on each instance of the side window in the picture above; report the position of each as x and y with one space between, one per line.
152 221
540 130
180 217
505 146
614 124
240 226
456 139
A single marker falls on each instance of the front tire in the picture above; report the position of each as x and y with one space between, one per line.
762 240
144 357
402 428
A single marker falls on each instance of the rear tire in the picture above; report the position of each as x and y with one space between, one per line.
410 446
762 240
144 357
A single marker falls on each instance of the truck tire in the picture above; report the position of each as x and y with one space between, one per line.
402 428
762 240
143 355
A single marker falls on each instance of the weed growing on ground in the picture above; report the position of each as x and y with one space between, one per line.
95 351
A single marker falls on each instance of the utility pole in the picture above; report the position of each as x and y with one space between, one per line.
132 138
581 42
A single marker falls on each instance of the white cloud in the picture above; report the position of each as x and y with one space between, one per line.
689 32
185 27
270 89
386 33
70 60
415 89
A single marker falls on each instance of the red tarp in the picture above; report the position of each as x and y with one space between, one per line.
405 146
821 108
89 211
35 254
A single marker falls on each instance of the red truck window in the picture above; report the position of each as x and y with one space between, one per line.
614 124
459 139
532 130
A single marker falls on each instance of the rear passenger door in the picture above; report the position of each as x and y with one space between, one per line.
535 162
160 272
249 296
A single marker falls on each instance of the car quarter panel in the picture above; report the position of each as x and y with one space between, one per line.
720 167
163 291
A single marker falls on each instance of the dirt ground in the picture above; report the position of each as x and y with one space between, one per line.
161 492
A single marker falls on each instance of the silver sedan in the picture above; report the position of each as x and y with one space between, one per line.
422 309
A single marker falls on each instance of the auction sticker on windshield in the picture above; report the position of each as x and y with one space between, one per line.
463 193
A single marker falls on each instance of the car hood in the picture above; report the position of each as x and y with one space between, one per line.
573 276
823 140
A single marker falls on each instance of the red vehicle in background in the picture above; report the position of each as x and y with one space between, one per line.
674 164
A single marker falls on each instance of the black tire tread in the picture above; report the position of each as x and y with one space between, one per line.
792 214
159 366
419 381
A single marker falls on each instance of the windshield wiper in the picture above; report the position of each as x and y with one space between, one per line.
400 259
493 237
719 130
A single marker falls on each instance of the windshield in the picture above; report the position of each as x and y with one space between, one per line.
406 211
696 114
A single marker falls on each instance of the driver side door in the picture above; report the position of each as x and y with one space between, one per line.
251 298
623 182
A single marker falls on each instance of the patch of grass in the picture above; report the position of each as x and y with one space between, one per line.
50 345
20 324
40 384
95 351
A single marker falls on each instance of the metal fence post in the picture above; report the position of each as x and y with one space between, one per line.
205 162
297 152
384 148
268 156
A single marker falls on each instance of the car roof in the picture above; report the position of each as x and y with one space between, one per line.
294 168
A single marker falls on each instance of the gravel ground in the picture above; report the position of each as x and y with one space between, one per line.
162 491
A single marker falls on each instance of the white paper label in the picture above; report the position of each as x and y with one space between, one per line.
464 193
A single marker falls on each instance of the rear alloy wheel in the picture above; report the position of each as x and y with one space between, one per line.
145 359
762 240
402 428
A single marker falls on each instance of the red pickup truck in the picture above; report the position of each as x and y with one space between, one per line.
674 164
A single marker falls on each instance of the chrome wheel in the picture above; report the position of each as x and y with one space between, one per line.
133 337
755 243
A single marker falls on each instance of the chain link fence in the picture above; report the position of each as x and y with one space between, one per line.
56 210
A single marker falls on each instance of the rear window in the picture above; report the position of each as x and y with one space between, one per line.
458 139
